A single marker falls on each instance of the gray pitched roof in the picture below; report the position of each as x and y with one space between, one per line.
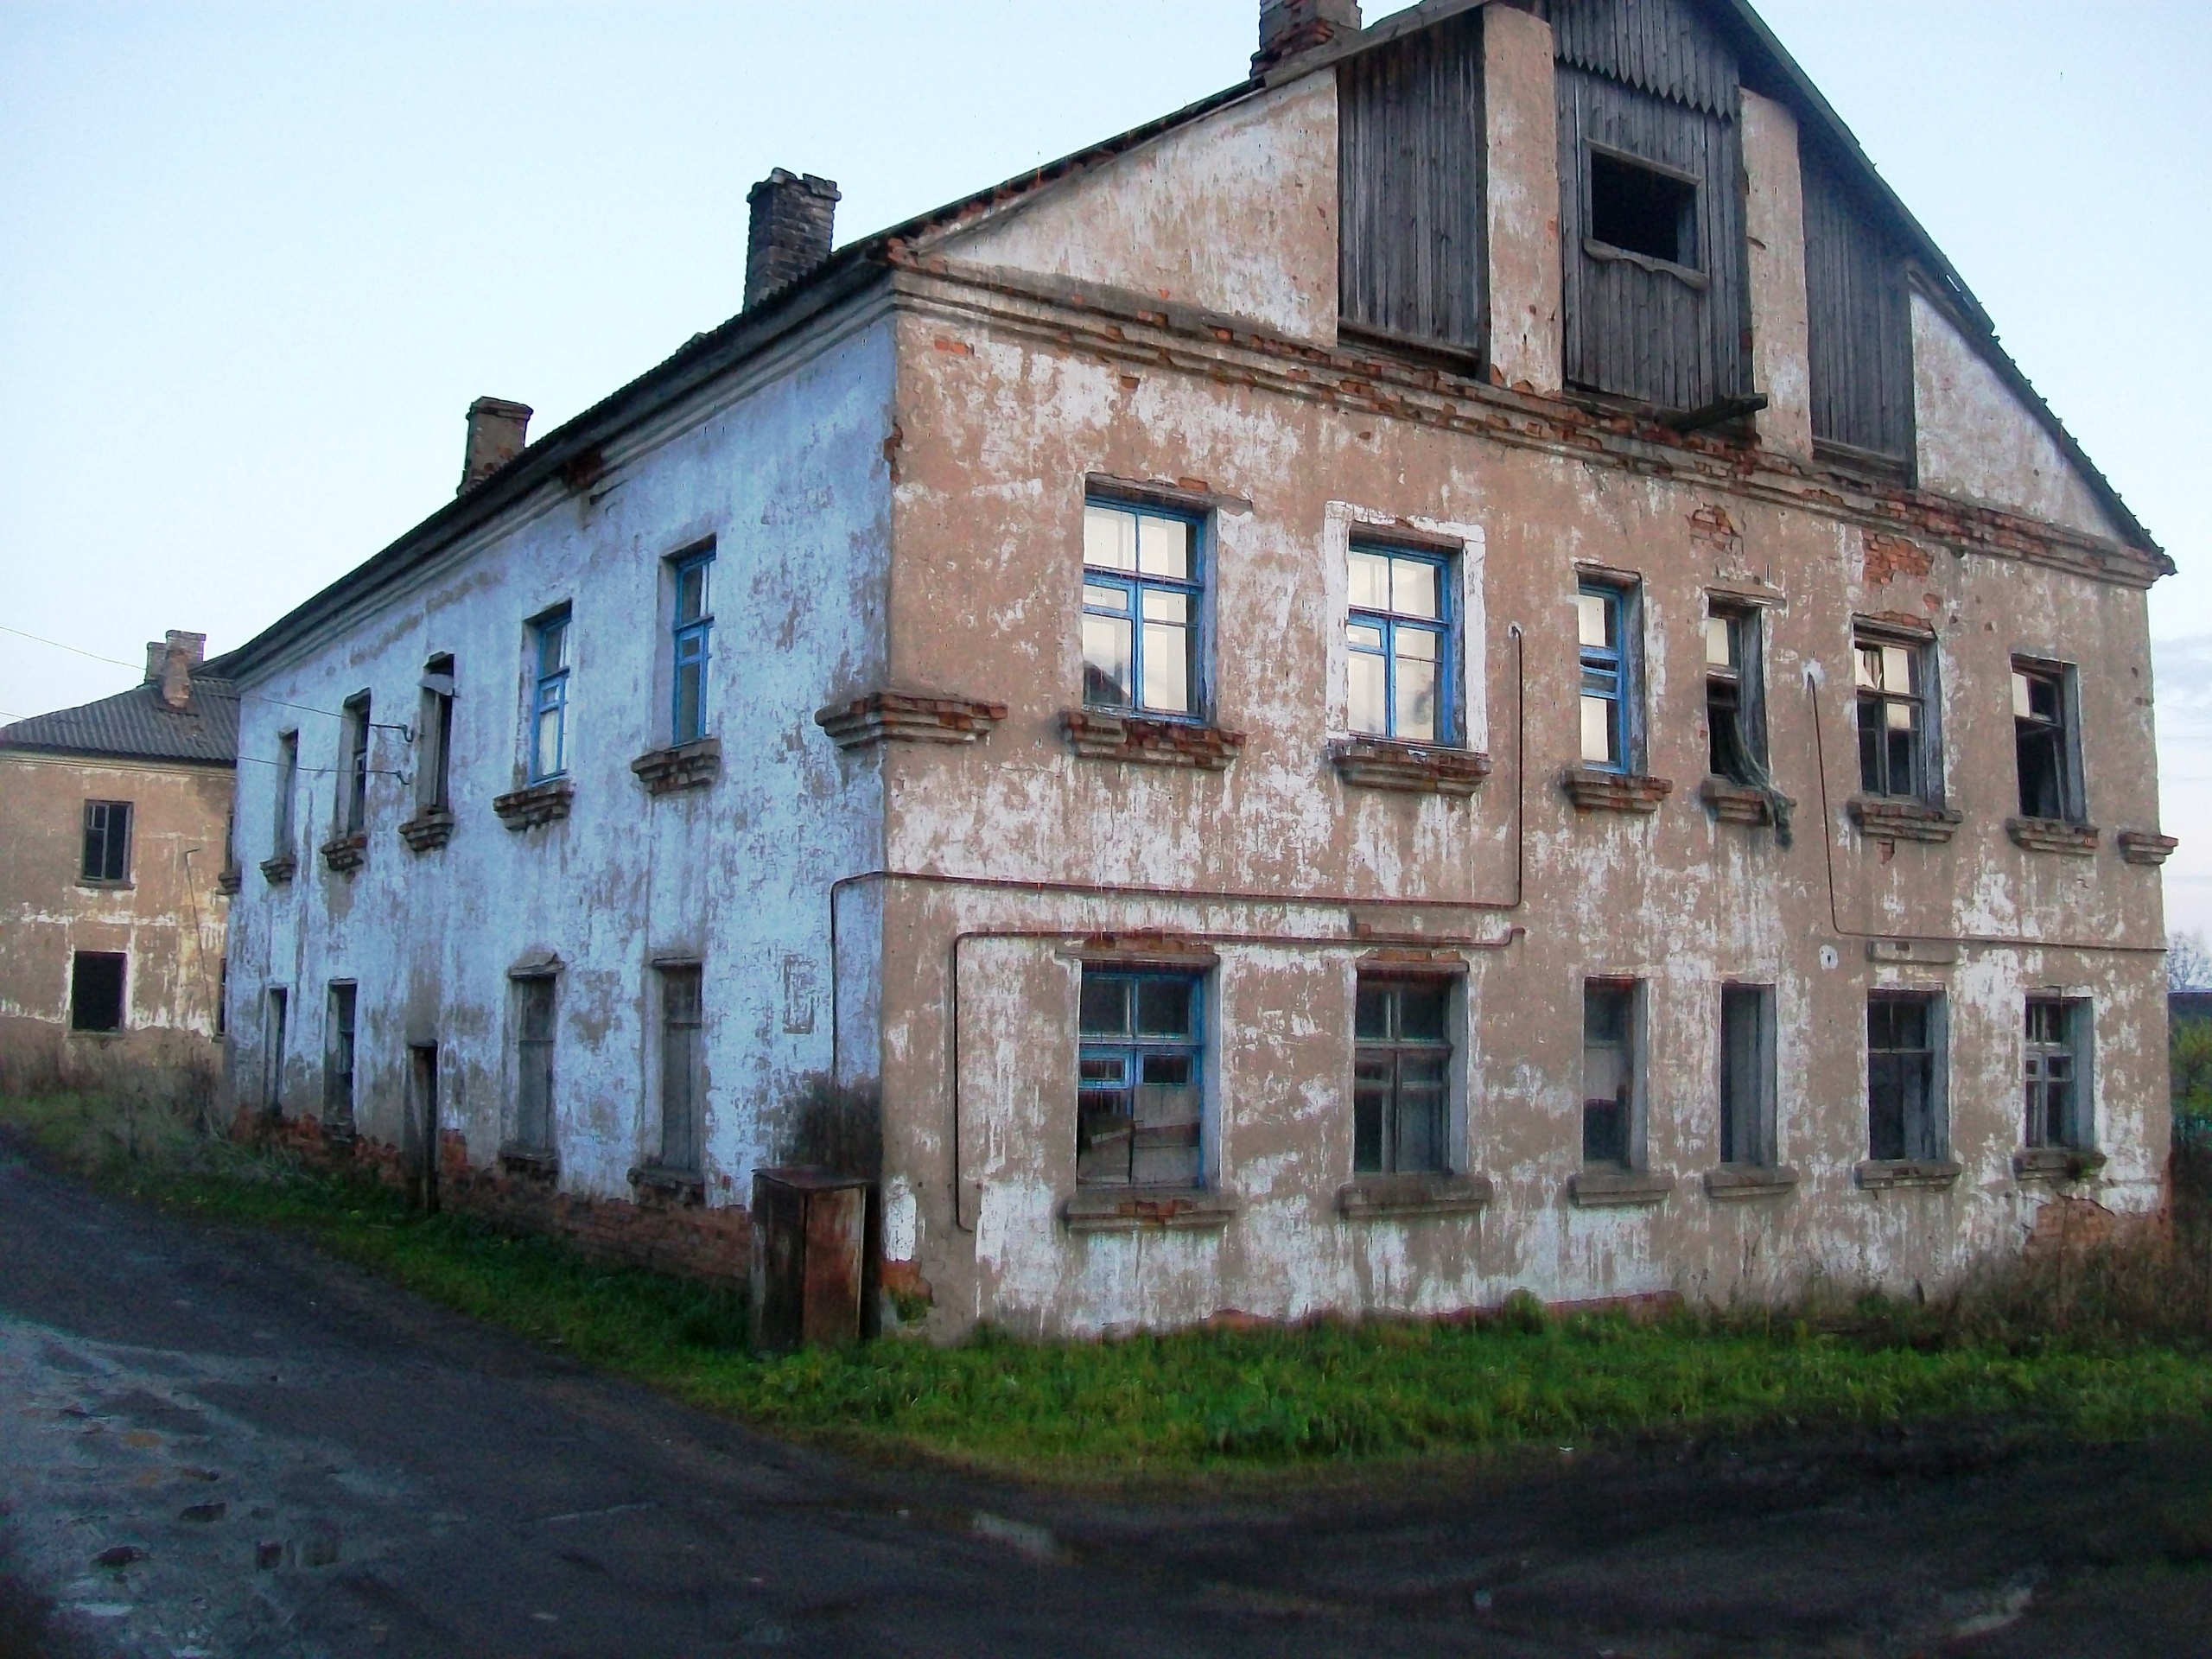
138 725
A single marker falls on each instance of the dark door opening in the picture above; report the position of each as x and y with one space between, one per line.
423 1124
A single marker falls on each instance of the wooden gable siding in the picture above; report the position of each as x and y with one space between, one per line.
1413 261
1859 320
1665 47
1635 329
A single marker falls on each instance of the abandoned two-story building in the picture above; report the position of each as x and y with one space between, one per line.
1463 667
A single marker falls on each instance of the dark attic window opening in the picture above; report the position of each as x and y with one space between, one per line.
1639 210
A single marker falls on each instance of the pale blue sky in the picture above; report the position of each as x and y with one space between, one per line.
256 259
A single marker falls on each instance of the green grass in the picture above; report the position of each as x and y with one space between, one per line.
1211 1401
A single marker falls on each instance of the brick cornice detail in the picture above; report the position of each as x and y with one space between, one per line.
2053 836
1416 768
229 880
280 869
908 717
545 802
1738 803
695 764
1592 790
1097 735
2146 847
429 830
343 854
1884 819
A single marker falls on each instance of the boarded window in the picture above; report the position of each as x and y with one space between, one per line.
337 1057
1139 1091
1608 1075
1747 1077
1402 1069
534 1028
96 991
107 840
683 1069
1414 156
1904 1078
1858 319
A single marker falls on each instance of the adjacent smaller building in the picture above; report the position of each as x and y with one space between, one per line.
115 881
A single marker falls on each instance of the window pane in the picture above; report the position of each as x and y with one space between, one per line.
691 592
1108 675
1594 618
1422 1005
1360 636
1160 605
1368 683
1163 548
547 758
1105 1006
1604 1013
1417 722
1903 770
1897 716
1164 1008
690 713
1115 600
1720 641
1369 1104
1372 1011
1168 1069
1899 663
2022 703
1412 588
1423 645
553 646
2043 699
1598 744
1370 582
1109 538
1166 666
1870 668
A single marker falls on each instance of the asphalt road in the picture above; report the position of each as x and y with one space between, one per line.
217 1443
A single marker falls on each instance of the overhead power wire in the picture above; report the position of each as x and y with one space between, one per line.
274 702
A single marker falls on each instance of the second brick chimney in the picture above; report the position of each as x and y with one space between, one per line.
794 227
169 662
497 432
1290 26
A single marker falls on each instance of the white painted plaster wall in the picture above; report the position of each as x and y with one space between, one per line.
788 474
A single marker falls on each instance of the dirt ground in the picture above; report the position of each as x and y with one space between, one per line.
217 1443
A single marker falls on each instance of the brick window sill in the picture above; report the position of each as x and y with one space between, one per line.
94 884
695 764
1140 1209
531 1163
1619 1189
684 1188
2053 836
545 802
277 871
1884 819
1144 740
230 882
900 717
1404 1196
1411 768
1592 790
1881 1175
2055 1165
429 830
344 855
1733 1183
2146 847
1739 803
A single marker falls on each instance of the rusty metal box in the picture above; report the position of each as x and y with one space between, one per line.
808 1230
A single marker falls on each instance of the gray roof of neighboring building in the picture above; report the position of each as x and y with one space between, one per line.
138 725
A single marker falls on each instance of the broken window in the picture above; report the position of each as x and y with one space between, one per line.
534 1062
337 1057
434 759
1734 701
1604 618
1639 208
2043 742
693 627
1140 1069
96 991
353 768
287 784
1400 641
549 702
1608 1074
1747 1076
1401 1071
1143 585
1892 717
683 1069
1903 1079
275 1018
107 840
2058 1114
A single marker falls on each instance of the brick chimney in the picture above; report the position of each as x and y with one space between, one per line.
1290 26
497 432
794 227
169 662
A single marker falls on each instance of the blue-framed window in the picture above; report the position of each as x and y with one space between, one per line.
1140 1092
692 625
1143 593
1401 1077
1602 617
549 700
1400 642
